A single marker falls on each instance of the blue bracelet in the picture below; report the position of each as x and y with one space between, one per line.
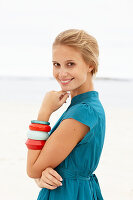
39 122
37 135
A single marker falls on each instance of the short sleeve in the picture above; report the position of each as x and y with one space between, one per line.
85 114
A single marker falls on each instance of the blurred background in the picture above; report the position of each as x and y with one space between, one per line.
27 31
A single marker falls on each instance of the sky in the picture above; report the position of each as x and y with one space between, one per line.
28 29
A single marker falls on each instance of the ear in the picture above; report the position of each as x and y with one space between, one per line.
90 68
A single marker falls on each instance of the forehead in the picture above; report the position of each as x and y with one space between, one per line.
63 51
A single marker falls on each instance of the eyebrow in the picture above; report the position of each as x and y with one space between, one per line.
65 61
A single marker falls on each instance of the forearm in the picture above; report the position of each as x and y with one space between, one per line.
33 155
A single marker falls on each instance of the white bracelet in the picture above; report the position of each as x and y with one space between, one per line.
37 135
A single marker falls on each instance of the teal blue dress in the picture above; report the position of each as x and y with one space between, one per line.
79 181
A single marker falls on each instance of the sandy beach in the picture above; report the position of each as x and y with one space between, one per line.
115 169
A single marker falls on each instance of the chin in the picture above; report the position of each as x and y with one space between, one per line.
65 89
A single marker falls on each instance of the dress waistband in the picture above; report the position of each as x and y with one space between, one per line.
67 173
94 184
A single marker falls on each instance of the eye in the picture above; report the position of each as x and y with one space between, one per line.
56 63
71 63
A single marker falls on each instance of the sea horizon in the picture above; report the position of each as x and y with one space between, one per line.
31 89
33 77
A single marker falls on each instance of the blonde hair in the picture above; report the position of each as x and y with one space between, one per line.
82 41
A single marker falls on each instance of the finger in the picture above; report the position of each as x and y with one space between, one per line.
63 95
55 174
48 186
52 180
64 98
48 180
58 176
62 92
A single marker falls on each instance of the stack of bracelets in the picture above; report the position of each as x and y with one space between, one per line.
37 134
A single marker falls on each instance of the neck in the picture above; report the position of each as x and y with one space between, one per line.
85 87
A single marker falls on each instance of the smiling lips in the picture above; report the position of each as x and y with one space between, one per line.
66 81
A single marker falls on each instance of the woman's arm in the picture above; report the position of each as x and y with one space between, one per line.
57 147
52 101
60 143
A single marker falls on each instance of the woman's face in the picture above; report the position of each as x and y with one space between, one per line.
68 66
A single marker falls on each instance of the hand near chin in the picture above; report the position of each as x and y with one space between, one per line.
53 100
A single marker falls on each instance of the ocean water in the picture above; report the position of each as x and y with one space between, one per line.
112 92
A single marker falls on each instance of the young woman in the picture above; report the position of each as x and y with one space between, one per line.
74 146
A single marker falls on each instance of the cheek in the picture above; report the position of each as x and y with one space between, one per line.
82 76
79 74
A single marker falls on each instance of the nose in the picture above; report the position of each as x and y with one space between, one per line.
62 72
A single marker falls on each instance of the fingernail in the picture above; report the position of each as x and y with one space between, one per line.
61 179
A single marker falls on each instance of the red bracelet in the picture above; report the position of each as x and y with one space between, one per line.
39 127
35 144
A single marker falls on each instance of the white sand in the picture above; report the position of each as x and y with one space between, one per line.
115 169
